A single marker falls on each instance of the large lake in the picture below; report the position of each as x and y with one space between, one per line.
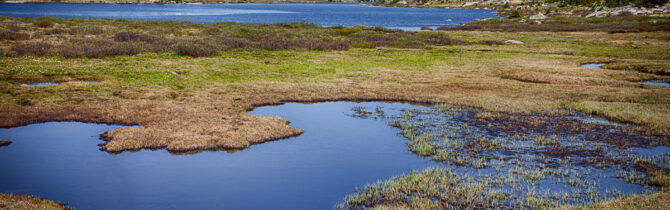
325 14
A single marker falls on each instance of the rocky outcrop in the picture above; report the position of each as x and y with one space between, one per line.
539 16
663 11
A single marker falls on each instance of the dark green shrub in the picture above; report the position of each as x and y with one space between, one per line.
515 14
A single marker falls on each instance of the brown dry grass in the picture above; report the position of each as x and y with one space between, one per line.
204 106
19 202
651 201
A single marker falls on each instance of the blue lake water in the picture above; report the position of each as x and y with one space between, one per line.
325 14
337 153
656 83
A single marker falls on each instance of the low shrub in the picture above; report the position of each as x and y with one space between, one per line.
211 31
11 35
339 45
491 42
347 31
229 42
437 39
301 24
44 23
32 48
83 30
94 48
195 48
515 14
55 31
128 36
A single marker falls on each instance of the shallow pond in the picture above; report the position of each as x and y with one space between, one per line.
345 146
656 83
593 65
42 84
325 14
61 161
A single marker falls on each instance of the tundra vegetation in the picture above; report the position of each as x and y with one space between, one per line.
516 160
188 86
551 8
10 201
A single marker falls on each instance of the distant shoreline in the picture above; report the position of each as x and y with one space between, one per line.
165 2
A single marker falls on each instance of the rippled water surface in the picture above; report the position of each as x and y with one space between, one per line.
345 14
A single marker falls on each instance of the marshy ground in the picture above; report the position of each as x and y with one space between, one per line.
516 160
188 86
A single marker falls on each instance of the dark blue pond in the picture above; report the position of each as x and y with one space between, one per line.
337 153
345 14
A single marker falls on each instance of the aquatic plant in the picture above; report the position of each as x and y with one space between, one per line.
573 153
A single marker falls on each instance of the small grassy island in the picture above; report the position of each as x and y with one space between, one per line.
188 86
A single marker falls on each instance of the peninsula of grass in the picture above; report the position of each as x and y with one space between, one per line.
188 86
24 202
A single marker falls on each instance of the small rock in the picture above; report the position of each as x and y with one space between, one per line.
623 42
539 16
513 42
467 4
426 28
175 73
5 143
538 22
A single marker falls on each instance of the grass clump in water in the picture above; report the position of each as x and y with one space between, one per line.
550 161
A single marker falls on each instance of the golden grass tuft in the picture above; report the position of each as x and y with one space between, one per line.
21 202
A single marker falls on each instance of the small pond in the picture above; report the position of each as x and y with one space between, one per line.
344 147
593 65
42 84
61 161
656 83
